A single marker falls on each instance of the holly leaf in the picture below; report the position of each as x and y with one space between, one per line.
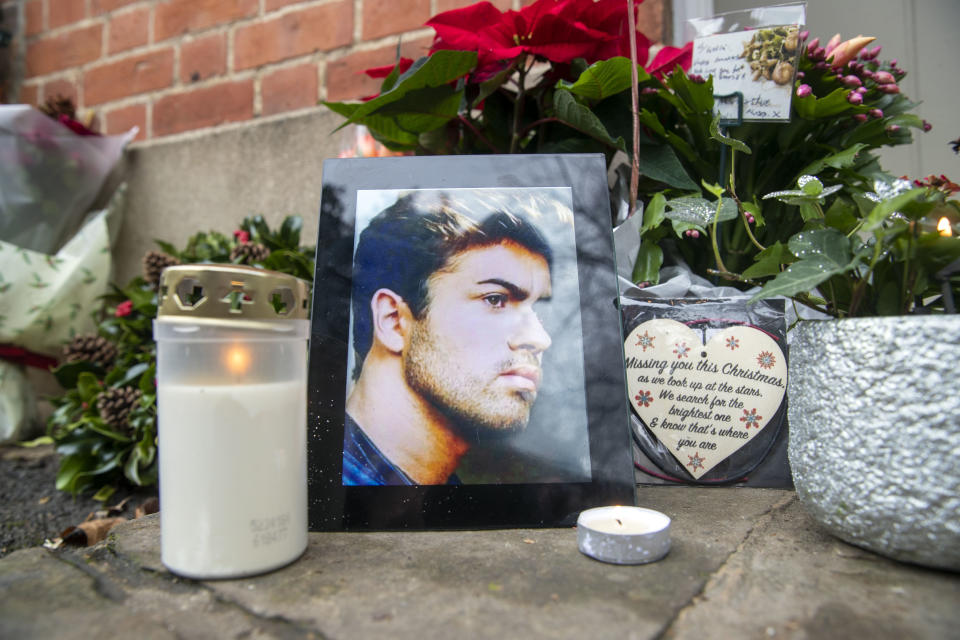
67 373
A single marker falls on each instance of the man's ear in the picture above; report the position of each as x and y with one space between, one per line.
391 318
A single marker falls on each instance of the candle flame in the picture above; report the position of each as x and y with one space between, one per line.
238 359
944 228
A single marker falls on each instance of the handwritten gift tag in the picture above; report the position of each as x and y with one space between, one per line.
704 402
760 64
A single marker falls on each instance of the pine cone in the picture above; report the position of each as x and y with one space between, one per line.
59 105
154 263
115 405
249 253
90 348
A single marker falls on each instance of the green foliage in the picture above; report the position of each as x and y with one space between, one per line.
96 455
734 203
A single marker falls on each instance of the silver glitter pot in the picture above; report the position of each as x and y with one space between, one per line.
874 409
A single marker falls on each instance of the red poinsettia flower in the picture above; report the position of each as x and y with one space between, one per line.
125 308
383 72
609 17
558 30
668 58
243 237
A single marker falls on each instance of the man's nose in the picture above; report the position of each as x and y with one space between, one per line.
530 334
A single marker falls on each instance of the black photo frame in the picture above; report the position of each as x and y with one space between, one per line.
575 451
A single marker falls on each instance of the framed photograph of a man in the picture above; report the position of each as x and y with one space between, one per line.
465 357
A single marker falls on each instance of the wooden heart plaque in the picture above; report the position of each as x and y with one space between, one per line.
704 401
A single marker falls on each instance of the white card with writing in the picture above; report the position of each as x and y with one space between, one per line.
760 64
704 401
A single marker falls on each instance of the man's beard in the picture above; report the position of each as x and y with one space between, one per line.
462 396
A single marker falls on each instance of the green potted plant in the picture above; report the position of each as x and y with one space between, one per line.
801 209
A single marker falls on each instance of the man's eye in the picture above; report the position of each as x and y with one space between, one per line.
496 300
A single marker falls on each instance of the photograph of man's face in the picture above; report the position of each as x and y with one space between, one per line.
467 358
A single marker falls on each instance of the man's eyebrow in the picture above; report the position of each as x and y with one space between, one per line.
516 292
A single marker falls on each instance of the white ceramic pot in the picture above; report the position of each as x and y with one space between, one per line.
874 410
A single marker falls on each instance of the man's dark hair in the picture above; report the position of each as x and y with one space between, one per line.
406 243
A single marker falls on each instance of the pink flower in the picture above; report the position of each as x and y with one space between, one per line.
242 236
125 308
889 88
804 90
884 77
854 98
860 117
847 50
927 126
851 81
832 44
876 113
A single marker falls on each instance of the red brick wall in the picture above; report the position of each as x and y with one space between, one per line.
171 66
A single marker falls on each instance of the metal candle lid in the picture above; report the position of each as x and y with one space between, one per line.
229 292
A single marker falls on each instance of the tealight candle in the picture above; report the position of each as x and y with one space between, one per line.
623 535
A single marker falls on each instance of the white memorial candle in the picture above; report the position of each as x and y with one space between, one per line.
217 446
623 535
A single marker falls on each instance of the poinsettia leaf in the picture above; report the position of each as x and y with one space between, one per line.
488 87
660 162
576 115
433 72
648 119
604 78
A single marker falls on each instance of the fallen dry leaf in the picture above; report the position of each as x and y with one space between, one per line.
89 533
151 505
43 500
